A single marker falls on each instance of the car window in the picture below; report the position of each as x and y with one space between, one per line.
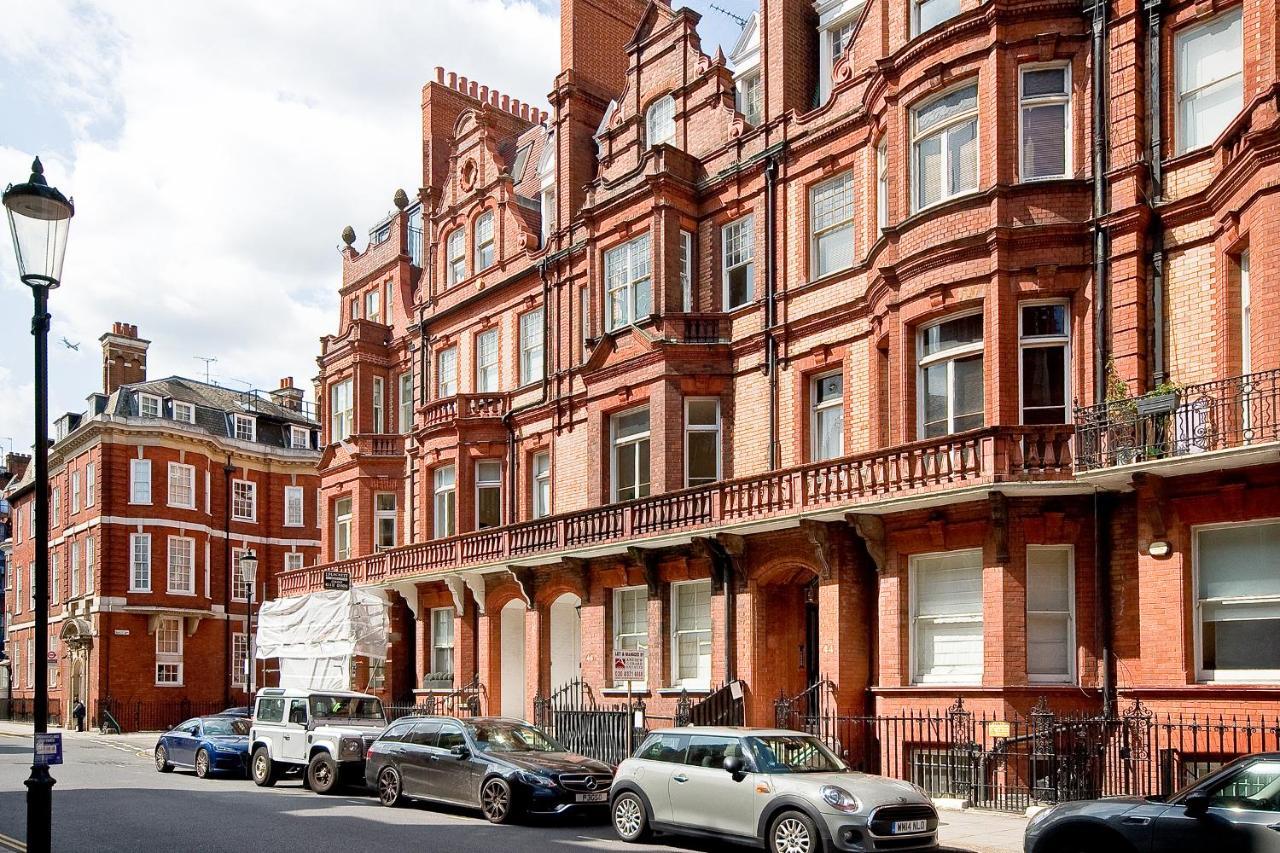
270 710
190 727
793 754
710 751
396 733
424 734
226 726
450 736
669 748
1256 787
298 712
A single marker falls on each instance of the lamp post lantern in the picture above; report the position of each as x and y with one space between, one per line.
39 218
249 568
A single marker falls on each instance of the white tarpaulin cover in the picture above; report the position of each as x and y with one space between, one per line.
315 636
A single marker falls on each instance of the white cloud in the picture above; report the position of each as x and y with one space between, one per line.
219 150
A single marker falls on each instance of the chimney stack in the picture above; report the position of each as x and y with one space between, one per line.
124 357
287 396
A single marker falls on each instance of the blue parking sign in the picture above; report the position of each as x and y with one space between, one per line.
48 748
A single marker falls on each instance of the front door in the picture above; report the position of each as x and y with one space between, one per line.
513 674
293 742
704 794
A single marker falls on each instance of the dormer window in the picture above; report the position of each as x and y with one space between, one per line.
484 242
184 412
299 438
750 89
457 248
244 427
149 405
547 184
833 38
660 121
372 306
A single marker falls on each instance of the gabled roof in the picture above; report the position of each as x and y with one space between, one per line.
748 42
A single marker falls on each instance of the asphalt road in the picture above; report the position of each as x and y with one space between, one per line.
109 797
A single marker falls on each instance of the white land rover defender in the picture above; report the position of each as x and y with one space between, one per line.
324 734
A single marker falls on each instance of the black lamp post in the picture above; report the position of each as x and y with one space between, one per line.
249 568
39 218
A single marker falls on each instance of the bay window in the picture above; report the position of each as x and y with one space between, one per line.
946 617
831 225
826 418
342 529
447 372
379 394
406 402
691 634
944 148
1044 121
531 346
341 413
541 484
446 505
488 494
737 249
950 376
630 439
628 281
384 521
1209 78
1044 362
1238 602
1051 631
701 441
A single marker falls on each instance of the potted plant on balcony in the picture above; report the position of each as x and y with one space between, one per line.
1122 419
1160 400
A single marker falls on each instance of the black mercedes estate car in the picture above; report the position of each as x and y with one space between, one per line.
505 768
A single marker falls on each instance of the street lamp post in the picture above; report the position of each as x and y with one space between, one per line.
39 218
249 568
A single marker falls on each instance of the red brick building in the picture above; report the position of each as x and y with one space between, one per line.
156 491
772 366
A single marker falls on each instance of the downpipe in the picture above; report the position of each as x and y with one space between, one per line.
771 303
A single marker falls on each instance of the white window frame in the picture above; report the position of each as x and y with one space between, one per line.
686 270
1045 342
660 122
55 514
445 501
913 574
837 32
1181 98
484 253
1069 677
380 515
487 375
944 129
437 645
1218 676
75 492
184 412
166 656
882 185
239 583
744 257
139 482
299 438
139 569
615 443
293 560
816 234
641 637
819 408
691 428
294 507
246 424
373 305
456 255
532 347
378 397
1026 102
447 372
1246 314
247 495
628 274
177 472
239 658
951 356
388 301
150 402
343 527
676 633
406 402
90 484
90 557
540 477
73 569
175 568
491 482
341 420
547 202
915 17
749 92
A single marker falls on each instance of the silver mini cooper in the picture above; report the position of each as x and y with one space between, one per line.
779 789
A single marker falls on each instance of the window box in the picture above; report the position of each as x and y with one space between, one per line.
1157 404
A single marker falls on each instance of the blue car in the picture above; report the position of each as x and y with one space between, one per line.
207 745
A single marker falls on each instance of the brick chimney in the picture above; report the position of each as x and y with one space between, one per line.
287 396
788 55
124 357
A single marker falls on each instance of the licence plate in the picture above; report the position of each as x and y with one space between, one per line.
597 797
901 826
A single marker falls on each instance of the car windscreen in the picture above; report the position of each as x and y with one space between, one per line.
511 737
346 708
226 726
793 754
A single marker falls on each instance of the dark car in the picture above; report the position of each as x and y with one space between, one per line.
205 744
1232 810
503 767
239 711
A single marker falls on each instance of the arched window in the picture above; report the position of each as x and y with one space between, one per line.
660 121
484 242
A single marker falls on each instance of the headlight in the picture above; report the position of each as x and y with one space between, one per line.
840 799
535 779
352 746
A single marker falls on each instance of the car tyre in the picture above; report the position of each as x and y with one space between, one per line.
390 787
794 832
630 818
203 766
263 769
496 800
322 773
162 759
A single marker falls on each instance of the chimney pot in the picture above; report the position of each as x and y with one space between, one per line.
506 103
439 73
484 93
453 80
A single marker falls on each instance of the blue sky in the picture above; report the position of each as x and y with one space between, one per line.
215 151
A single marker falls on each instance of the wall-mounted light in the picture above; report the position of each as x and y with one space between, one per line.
1159 548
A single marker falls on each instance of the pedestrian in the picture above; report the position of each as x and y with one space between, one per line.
78 711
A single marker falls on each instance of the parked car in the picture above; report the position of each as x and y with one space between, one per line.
781 789
205 744
321 733
1236 808
238 711
506 768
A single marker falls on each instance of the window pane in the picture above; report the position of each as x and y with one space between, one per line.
625 471
835 250
934 12
1048 644
1206 113
928 171
962 154
935 400
740 289
702 458
828 388
948 651
950 105
1048 580
642 476
1043 380
829 442
1044 141
1044 320
703 412
1044 81
968 393
631 423
489 506
949 584
1242 644
1237 562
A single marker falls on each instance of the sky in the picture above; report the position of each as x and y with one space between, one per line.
215 151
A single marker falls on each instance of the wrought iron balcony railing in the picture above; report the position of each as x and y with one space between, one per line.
985 456
1243 411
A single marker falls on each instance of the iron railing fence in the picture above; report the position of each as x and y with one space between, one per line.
465 701
24 710
606 732
1010 763
125 715
1241 411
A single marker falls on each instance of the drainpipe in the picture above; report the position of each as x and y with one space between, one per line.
227 470
770 302
1155 154
1102 510
542 398
1098 50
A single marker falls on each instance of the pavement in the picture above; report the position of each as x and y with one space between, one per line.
108 798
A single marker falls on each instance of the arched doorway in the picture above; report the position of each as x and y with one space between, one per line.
787 632
512 649
566 640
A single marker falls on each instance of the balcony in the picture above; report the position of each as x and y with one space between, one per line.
449 411
1189 424
376 444
984 457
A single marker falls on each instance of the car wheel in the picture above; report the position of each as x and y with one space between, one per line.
162 759
390 788
263 769
322 773
202 764
495 801
794 832
630 818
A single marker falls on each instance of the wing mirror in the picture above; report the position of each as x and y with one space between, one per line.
1196 804
459 752
734 765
